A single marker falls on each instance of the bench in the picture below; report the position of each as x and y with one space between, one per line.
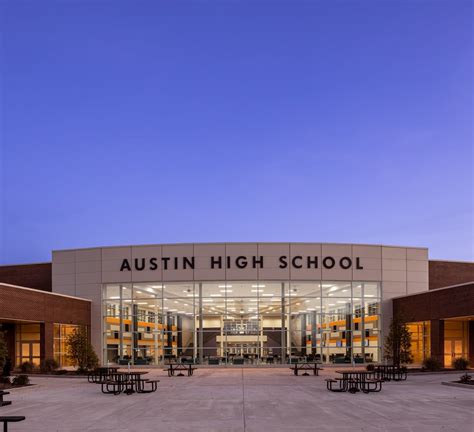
330 382
371 385
2 402
306 367
153 385
10 419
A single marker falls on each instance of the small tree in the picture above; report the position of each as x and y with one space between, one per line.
398 343
80 351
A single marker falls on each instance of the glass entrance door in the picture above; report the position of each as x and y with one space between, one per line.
452 350
30 352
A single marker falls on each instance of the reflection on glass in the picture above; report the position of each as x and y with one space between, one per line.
241 322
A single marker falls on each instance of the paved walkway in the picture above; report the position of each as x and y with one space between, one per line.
243 400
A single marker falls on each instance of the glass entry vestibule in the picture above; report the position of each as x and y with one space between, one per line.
241 322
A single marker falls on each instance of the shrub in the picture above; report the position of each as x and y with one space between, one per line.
465 379
7 368
60 372
370 367
48 365
5 380
432 364
80 351
21 380
460 364
27 367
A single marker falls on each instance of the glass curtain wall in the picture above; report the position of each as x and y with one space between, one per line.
241 322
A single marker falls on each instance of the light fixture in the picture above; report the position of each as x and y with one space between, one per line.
216 295
369 295
226 290
330 295
141 303
334 288
257 290
344 290
207 300
258 286
138 291
331 304
341 301
157 286
267 295
115 298
224 286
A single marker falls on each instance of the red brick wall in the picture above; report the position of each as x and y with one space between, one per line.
447 273
37 276
21 304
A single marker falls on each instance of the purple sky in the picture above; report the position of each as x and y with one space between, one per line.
152 122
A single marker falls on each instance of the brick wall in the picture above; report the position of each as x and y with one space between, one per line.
448 273
37 276
23 304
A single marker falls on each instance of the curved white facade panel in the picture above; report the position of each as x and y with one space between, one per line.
84 273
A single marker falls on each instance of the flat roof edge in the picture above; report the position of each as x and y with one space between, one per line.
43 292
25 264
234 243
435 290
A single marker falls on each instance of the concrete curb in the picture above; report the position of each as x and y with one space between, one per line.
458 385
440 373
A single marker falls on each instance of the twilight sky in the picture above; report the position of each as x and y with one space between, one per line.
127 122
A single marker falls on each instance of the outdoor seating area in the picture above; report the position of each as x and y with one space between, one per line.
390 372
172 368
353 381
10 419
2 402
115 382
306 366
233 396
366 381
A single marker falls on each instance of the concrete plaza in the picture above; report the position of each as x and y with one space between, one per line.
238 400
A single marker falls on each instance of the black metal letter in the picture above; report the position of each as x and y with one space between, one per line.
125 265
331 260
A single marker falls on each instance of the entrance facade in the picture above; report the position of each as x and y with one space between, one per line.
248 322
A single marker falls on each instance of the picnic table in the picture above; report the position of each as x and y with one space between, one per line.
128 383
355 380
389 372
10 419
101 374
173 367
306 366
